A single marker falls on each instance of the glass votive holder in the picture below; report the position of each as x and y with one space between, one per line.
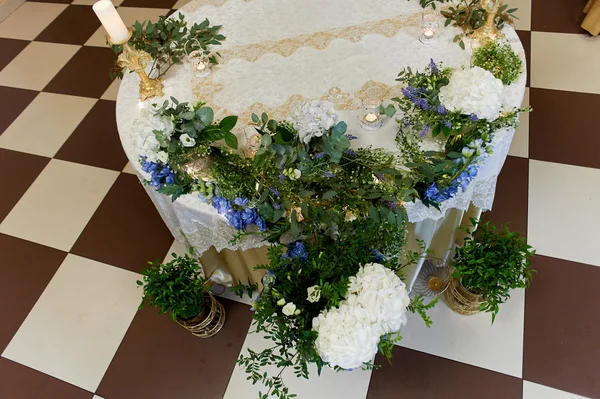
429 28
371 119
200 63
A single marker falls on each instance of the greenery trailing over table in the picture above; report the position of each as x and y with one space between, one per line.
169 40
492 262
500 59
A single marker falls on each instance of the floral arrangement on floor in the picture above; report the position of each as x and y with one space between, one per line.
169 40
500 59
463 109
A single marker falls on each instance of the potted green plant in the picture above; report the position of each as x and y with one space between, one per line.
179 288
489 264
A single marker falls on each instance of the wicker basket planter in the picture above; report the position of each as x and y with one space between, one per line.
209 322
461 300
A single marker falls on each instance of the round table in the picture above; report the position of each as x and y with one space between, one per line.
279 54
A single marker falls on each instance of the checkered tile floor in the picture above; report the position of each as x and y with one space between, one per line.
76 228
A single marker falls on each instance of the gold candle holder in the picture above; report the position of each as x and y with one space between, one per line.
488 31
137 60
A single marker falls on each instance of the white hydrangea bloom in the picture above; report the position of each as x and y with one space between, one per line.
146 140
313 119
473 91
344 339
376 304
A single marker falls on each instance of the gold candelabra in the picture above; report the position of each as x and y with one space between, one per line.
137 60
489 31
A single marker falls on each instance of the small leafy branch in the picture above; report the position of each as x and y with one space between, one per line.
432 3
169 40
418 306
470 15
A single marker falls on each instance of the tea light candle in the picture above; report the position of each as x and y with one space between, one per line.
370 117
112 22
428 33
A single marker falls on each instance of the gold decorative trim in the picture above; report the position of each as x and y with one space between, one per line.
320 40
205 90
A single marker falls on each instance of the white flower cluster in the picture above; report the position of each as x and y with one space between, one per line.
146 140
312 119
376 304
473 91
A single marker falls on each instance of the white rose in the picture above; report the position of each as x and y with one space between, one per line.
187 141
314 293
281 302
289 309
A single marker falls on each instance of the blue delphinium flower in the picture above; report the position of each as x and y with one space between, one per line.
473 118
274 191
349 152
221 204
447 123
425 129
328 174
241 201
281 177
351 137
276 206
235 219
319 155
268 279
433 67
159 174
440 109
249 216
261 224
296 250
378 256
410 92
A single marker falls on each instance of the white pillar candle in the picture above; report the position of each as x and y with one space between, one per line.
112 22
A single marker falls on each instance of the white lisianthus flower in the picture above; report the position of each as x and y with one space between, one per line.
187 141
289 309
162 156
468 152
313 119
281 302
314 293
297 174
473 91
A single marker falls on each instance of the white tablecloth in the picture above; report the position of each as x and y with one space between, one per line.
279 53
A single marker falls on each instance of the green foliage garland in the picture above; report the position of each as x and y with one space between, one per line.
500 60
168 41
492 262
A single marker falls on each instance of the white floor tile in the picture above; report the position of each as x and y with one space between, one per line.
520 143
180 3
75 328
45 125
129 15
58 205
563 211
330 385
112 91
537 391
29 20
523 13
472 339
129 169
27 71
567 62
97 397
